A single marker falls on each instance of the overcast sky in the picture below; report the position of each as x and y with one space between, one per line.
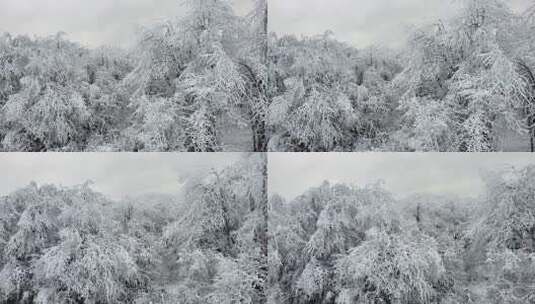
290 174
114 174
360 22
90 22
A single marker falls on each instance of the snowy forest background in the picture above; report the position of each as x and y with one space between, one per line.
466 83
75 245
213 80
193 83
347 244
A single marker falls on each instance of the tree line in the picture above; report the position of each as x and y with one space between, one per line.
184 84
215 81
66 245
347 244
461 84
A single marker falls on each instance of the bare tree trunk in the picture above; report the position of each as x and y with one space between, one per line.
261 236
259 125
527 72
531 123
265 33
259 135
418 217
532 140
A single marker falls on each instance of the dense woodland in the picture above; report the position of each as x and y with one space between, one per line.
209 82
73 245
184 85
346 245
462 84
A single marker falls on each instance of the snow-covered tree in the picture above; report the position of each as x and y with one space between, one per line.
12 62
328 95
48 112
390 268
313 235
62 249
311 110
503 239
209 64
218 245
464 73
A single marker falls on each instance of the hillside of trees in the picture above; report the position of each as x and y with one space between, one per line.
70 245
343 244
195 83
465 84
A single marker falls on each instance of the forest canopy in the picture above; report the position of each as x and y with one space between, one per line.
194 83
213 80
464 84
347 244
65 245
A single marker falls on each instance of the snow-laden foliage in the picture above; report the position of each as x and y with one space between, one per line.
61 248
170 92
58 95
390 268
504 238
327 94
209 67
48 111
345 244
456 85
468 67
90 268
73 245
221 237
319 229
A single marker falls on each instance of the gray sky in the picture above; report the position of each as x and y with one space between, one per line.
90 22
360 22
290 174
114 174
